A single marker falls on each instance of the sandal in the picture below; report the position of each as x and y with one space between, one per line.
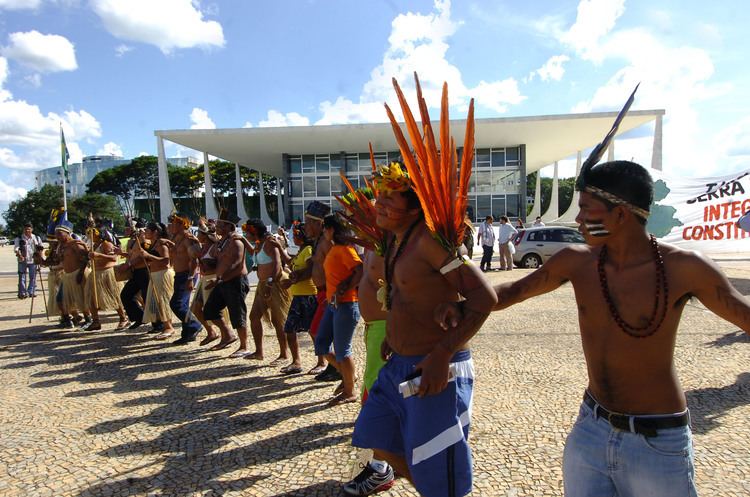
164 335
208 340
223 345
317 370
238 354
278 361
291 369
342 399
122 325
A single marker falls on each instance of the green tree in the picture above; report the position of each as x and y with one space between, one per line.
118 183
145 173
185 183
34 208
565 189
104 206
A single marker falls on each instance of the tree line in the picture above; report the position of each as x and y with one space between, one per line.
132 190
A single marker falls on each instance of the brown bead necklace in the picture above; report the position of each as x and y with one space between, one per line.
389 268
662 291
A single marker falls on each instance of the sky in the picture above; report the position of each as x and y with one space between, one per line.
113 71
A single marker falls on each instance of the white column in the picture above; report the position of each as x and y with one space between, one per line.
166 204
553 212
263 211
211 211
657 150
536 210
280 203
570 215
611 151
240 199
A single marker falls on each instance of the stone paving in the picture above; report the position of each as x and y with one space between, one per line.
118 414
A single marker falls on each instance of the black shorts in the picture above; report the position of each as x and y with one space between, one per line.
230 294
301 313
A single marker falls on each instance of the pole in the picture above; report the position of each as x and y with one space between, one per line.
90 233
41 285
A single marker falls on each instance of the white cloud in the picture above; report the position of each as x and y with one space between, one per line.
552 69
277 119
110 148
3 71
40 52
34 80
595 19
122 49
9 193
200 119
419 42
19 4
167 24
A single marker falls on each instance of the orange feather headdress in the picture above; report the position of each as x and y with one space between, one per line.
442 187
359 213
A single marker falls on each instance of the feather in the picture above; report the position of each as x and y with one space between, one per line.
442 187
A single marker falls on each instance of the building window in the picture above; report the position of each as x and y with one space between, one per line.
513 205
337 163
352 163
322 163
324 187
484 206
308 163
498 157
308 185
295 187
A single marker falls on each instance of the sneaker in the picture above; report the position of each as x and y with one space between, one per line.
330 374
135 325
86 323
65 324
369 481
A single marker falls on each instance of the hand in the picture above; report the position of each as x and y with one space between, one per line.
385 350
286 283
341 289
434 369
267 292
447 315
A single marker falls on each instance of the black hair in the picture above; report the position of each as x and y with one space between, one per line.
627 180
258 226
299 232
160 229
340 233
504 218
28 225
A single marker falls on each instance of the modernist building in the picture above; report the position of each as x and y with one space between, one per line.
306 160
80 174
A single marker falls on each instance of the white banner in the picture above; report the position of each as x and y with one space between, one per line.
701 213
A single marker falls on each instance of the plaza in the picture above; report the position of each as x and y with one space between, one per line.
117 414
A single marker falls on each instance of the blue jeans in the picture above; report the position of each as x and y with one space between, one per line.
180 305
23 289
337 327
600 460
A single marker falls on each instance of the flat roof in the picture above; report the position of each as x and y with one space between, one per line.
547 138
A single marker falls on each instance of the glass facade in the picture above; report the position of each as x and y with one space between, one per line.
496 187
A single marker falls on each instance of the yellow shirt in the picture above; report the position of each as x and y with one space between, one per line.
304 287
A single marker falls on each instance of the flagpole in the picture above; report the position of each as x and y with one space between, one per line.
64 167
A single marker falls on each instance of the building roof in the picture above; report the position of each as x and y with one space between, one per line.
547 138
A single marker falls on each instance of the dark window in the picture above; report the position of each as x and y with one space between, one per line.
513 205
394 156
483 155
484 206
295 187
352 163
322 163
567 236
308 185
324 187
498 158
539 236
337 185
337 163
511 153
308 163
295 165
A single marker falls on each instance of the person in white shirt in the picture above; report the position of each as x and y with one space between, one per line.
505 238
538 222
24 248
486 238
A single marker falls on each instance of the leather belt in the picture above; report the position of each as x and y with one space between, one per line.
643 425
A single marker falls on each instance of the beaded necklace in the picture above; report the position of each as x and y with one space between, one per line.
661 289
390 267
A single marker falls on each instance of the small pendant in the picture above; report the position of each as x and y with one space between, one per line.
381 295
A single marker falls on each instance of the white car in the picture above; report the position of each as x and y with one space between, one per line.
535 245
4 241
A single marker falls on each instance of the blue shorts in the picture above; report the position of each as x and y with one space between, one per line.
337 328
301 313
430 432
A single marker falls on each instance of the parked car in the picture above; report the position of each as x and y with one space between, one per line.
535 245
4 241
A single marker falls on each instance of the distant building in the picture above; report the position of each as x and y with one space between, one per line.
81 173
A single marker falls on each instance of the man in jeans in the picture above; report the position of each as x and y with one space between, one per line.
505 235
24 248
486 238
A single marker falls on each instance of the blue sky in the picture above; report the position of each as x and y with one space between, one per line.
113 71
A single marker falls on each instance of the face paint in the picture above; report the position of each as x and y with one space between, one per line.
595 227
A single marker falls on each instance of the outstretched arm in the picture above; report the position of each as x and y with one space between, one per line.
713 289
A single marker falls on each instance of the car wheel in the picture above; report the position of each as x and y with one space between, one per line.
531 261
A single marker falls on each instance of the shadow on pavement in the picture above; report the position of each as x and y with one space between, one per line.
731 338
200 412
708 405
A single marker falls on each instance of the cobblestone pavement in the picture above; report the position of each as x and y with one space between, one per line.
116 414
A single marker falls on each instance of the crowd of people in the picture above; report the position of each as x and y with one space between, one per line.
422 300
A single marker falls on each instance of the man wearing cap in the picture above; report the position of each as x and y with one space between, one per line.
184 261
74 255
231 285
630 291
24 247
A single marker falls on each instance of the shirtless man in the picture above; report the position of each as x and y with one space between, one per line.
107 289
230 286
73 254
138 283
161 277
184 258
634 414
416 445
